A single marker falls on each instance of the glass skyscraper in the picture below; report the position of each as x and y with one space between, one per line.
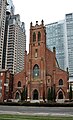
69 38
55 38
60 35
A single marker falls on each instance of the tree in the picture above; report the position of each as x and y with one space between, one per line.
49 95
54 93
70 92
44 95
24 94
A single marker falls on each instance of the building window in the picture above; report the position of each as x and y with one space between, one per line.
36 53
36 71
0 84
1 74
34 37
48 80
39 36
7 74
60 82
0 94
38 44
33 44
0 81
19 84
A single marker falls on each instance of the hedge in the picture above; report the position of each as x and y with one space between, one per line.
69 104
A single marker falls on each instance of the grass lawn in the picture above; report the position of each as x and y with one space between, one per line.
24 117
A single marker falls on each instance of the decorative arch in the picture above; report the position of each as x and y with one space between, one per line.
34 37
19 84
39 36
36 71
17 95
35 94
60 94
60 82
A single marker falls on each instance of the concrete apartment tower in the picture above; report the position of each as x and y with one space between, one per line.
16 44
3 5
13 38
9 12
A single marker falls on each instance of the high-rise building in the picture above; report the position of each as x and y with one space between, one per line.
3 6
55 35
12 38
16 44
9 11
10 7
60 35
69 40
4 18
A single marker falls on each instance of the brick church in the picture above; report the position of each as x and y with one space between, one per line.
41 71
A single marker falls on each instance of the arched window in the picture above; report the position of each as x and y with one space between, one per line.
60 95
34 37
36 71
39 36
35 95
60 82
19 84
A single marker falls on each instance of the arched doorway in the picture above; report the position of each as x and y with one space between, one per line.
60 95
17 96
35 95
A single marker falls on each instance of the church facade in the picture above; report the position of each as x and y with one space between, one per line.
41 71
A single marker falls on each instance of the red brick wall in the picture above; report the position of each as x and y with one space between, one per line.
19 77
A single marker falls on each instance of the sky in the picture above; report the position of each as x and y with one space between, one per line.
36 10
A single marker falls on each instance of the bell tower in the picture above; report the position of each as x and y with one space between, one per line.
37 64
37 40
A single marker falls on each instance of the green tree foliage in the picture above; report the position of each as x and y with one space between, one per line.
54 93
44 95
24 94
51 94
70 92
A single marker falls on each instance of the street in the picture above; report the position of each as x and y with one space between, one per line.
27 110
